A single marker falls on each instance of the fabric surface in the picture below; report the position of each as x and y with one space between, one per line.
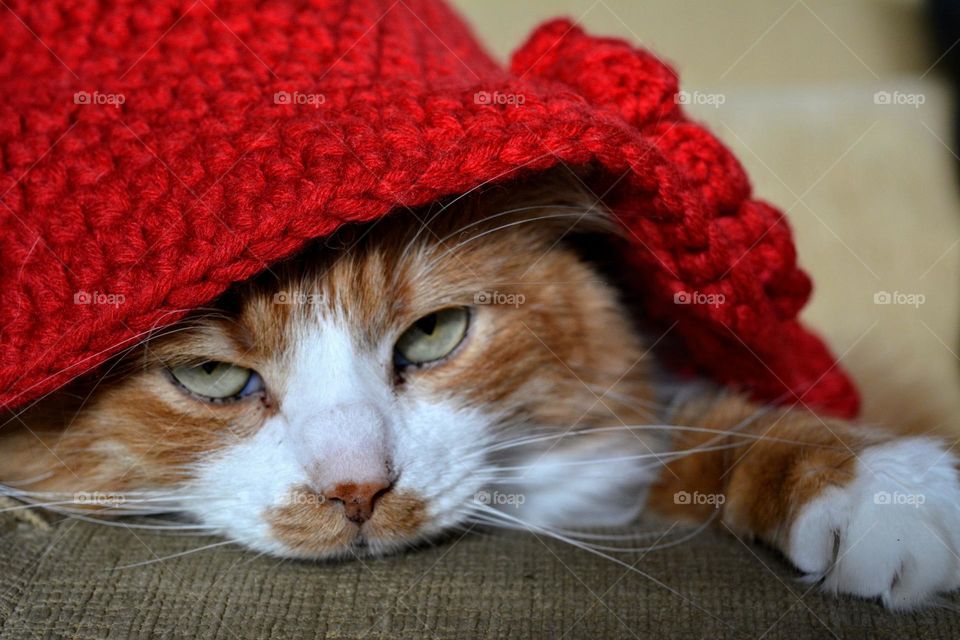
67 583
170 149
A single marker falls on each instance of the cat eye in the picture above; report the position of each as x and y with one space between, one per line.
218 380
432 337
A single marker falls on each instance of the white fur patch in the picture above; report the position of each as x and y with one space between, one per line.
339 421
893 532
600 482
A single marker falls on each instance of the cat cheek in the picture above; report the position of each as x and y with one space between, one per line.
307 524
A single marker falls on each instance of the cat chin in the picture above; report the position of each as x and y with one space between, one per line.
367 548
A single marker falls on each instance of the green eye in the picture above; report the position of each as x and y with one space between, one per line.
432 337
218 380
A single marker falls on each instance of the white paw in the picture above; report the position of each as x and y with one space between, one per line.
892 533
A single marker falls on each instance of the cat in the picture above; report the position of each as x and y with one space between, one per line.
473 362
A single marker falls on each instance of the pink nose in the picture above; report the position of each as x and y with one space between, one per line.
358 499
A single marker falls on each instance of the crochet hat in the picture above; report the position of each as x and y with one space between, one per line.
153 153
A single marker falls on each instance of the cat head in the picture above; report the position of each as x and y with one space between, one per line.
401 378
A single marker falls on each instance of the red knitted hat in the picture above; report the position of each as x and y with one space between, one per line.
153 153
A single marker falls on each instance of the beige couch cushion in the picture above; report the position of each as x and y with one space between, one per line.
67 583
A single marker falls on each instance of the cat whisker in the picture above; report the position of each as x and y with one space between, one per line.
183 529
553 532
665 456
459 245
113 521
589 549
442 241
519 442
36 505
104 494
466 194
584 535
172 556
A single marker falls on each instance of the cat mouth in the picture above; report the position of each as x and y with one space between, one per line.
359 544
309 526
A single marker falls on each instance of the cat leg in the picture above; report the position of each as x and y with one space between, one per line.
868 512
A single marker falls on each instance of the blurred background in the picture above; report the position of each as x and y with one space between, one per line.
842 113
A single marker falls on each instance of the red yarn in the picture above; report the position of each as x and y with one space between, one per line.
211 139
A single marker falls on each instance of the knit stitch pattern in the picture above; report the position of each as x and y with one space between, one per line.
154 153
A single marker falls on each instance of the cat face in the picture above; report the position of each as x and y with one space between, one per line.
404 378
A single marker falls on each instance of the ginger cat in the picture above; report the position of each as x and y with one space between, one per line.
474 363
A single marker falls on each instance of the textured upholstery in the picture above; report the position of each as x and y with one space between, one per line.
66 583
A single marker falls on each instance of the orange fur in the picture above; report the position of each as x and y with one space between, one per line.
546 361
566 355
766 480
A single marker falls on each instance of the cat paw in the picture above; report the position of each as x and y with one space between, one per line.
892 533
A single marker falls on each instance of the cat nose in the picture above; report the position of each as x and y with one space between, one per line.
358 499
